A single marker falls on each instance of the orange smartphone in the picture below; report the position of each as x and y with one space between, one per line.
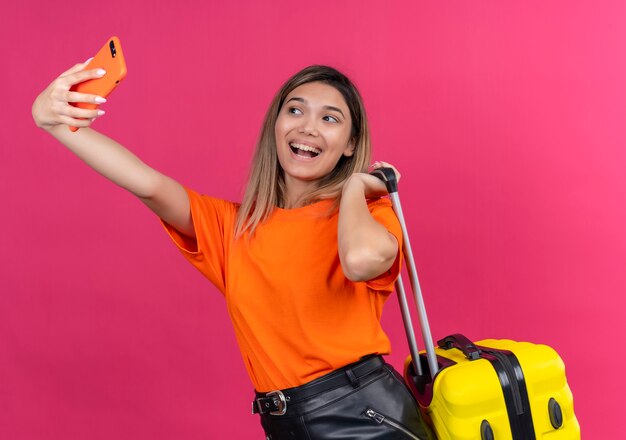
111 59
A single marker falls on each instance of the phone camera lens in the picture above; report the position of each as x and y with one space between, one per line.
112 47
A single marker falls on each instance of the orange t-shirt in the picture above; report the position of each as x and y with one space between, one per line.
296 316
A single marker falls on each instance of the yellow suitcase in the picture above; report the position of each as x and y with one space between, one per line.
495 389
491 390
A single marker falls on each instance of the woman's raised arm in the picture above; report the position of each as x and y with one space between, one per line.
52 112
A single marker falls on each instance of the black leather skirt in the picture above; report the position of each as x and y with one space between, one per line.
366 400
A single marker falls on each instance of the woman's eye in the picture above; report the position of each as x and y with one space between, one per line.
331 119
295 111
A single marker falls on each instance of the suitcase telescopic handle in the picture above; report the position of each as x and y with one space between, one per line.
388 176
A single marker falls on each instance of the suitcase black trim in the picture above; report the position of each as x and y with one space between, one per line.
511 378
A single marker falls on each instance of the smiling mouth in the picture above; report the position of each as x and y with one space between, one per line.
304 150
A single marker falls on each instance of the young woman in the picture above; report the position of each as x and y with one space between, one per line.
305 262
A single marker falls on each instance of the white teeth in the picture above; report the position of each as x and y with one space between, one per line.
305 147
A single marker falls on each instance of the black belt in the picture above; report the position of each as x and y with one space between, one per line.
275 402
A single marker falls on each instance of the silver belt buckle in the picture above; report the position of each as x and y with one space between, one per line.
282 402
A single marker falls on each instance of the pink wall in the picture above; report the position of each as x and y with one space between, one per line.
506 119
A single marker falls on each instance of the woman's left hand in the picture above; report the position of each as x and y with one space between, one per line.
372 186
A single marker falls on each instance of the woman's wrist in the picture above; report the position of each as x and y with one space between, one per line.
368 186
354 183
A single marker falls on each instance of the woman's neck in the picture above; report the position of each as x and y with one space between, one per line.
296 192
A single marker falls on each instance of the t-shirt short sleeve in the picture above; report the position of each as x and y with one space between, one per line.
213 222
382 212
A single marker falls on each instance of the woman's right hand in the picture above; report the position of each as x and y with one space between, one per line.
52 107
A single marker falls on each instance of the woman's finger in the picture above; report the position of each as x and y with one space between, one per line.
84 97
64 94
380 164
72 122
76 68
75 112
395 170
82 76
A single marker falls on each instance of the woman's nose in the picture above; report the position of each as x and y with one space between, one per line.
309 127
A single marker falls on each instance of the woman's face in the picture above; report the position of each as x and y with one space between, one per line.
312 132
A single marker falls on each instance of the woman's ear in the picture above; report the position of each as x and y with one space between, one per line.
349 151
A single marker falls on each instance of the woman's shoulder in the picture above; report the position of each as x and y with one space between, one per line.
205 199
212 206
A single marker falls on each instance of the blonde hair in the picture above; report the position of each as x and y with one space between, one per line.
266 185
